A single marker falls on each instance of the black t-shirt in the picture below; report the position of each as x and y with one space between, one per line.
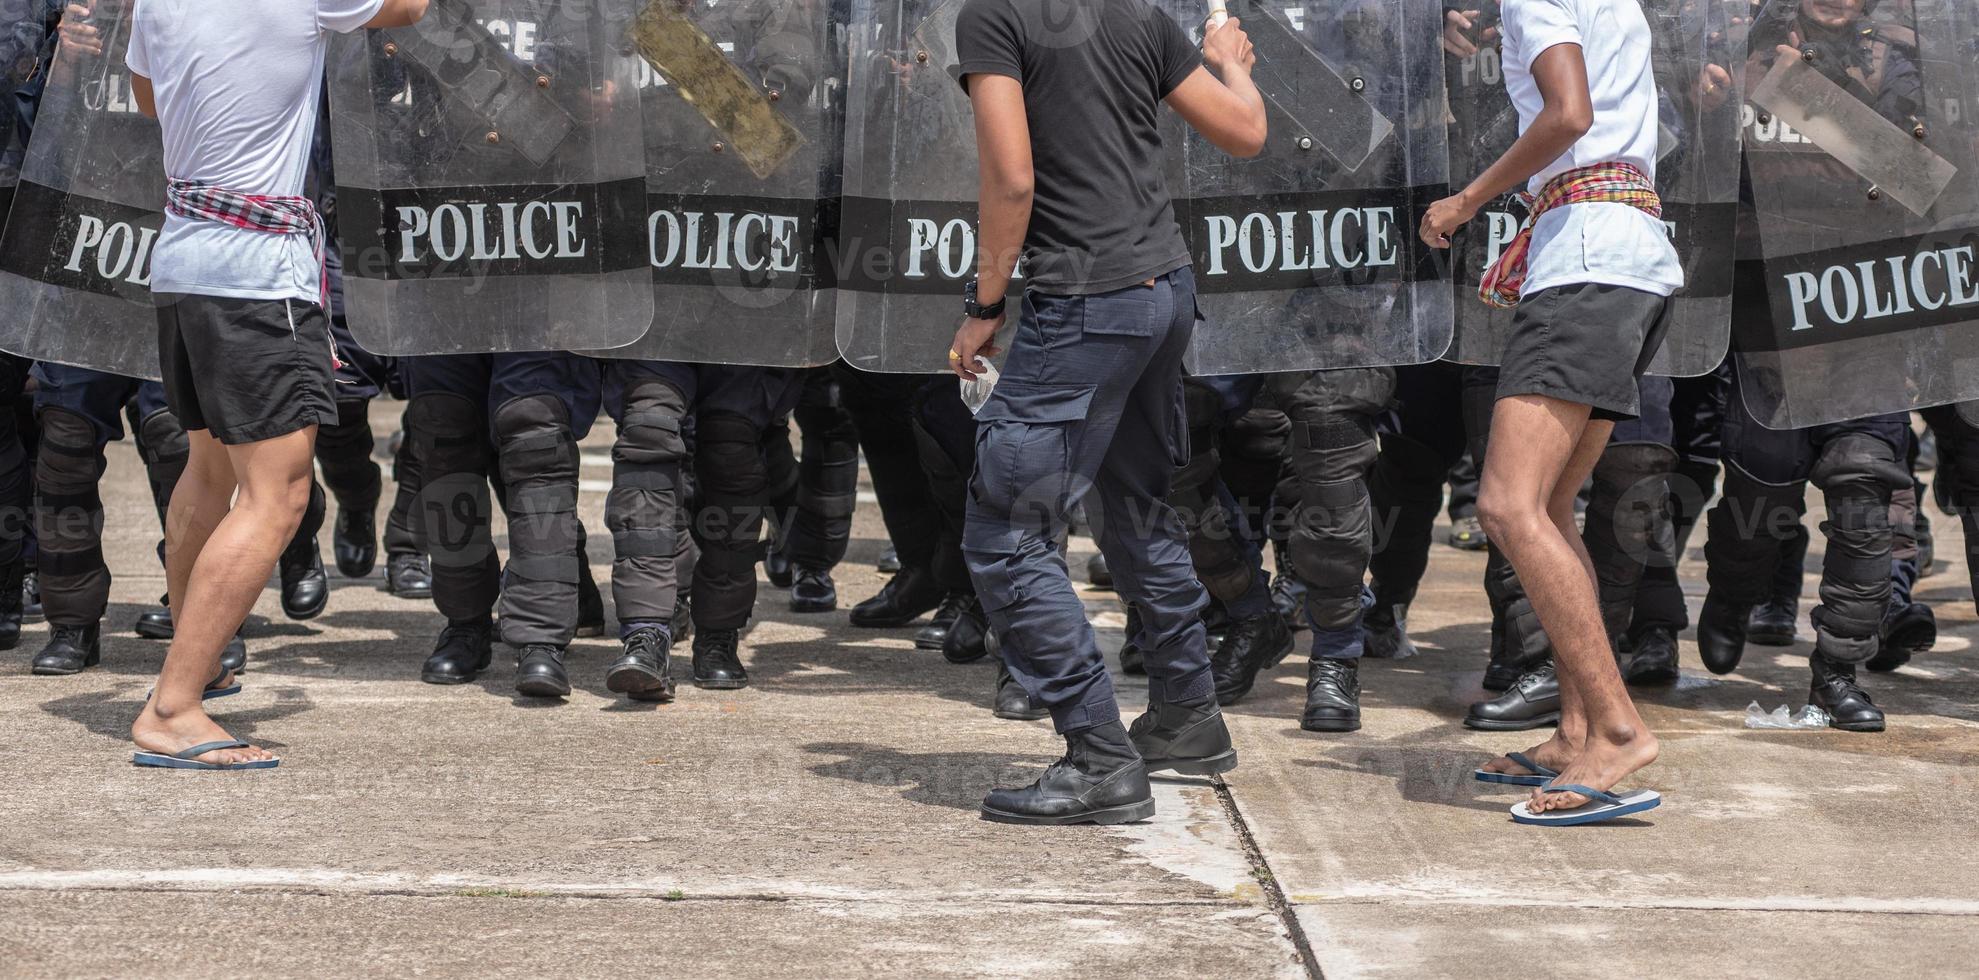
1094 74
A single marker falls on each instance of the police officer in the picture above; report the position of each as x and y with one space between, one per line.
1858 465
1100 413
815 494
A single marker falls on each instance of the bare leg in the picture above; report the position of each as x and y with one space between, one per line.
1541 450
217 562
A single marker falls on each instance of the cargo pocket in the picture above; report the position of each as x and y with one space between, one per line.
1024 442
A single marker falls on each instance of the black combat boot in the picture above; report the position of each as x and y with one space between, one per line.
156 624
1531 702
1100 780
234 655
968 637
933 635
889 560
778 569
408 575
1186 737
1385 633
1721 635
464 650
1252 645
70 650
539 672
717 665
1011 701
1502 671
1333 695
901 601
1097 574
1772 623
1653 659
813 591
355 539
1835 691
305 585
644 672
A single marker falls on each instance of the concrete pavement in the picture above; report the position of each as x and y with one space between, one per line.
822 822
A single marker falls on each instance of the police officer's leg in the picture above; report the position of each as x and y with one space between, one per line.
1628 526
447 422
1254 450
305 584
16 497
736 406
783 482
80 411
649 400
1858 468
1519 645
946 434
881 414
1697 413
344 452
1333 450
161 444
1910 627
1228 562
827 494
1748 529
408 574
1422 437
541 404
1956 483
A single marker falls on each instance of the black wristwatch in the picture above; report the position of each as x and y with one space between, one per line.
977 311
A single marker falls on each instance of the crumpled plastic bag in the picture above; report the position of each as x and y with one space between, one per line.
1808 716
975 394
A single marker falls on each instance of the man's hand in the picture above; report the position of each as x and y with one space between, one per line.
79 39
1457 26
1714 86
976 338
1228 48
1445 217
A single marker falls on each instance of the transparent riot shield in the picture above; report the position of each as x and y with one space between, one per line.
75 259
1858 285
492 180
1699 50
744 105
907 222
1307 257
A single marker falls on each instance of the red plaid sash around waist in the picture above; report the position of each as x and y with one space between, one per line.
255 212
1617 183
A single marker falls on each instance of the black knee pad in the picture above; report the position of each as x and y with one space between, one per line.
68 516
351 434
449 432
640 511
162 442
536 453
729 458
1857 475
1261 435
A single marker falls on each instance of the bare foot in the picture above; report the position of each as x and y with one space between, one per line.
1555 753
1602 764
152 732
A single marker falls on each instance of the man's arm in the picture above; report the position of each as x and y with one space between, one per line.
1561 73
397 13
141 91
1230 113
1003 150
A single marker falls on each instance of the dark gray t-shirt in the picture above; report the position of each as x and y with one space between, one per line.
1094 74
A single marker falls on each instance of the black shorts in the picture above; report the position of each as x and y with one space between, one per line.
246 369
1588 344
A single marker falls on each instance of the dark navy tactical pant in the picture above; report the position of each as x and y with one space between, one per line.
1090 402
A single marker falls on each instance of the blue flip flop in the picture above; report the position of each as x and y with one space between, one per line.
189 759
1605 806
1539 775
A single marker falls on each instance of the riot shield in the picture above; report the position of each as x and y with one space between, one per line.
491 180
744 105
1699 49
75 259
1858 284
1305 257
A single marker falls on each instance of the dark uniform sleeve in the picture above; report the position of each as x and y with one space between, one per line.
1179 56
989 40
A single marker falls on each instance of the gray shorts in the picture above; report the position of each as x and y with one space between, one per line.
248 370
1588 344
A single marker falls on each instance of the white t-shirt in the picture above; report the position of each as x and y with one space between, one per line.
1609 243
237 83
